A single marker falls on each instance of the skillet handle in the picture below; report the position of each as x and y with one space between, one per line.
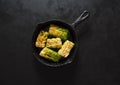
82 17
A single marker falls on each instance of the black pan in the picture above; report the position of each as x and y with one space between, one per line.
72 37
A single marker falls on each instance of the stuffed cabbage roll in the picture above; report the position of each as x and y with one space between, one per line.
66 48
41 39
58 32
50 54
54 43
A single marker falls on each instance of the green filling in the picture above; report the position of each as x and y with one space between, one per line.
62 33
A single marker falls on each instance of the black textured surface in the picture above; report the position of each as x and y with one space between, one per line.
98 58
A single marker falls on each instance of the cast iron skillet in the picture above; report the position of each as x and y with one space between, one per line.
72 37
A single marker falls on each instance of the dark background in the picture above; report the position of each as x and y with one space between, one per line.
97 61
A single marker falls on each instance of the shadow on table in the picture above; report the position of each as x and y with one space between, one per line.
61 75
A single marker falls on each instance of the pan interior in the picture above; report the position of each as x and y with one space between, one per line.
71 36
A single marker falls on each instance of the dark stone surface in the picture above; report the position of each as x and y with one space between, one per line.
98 58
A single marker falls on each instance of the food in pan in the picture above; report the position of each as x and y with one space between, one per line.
66 48
50 54
56 31
54 43
41 39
